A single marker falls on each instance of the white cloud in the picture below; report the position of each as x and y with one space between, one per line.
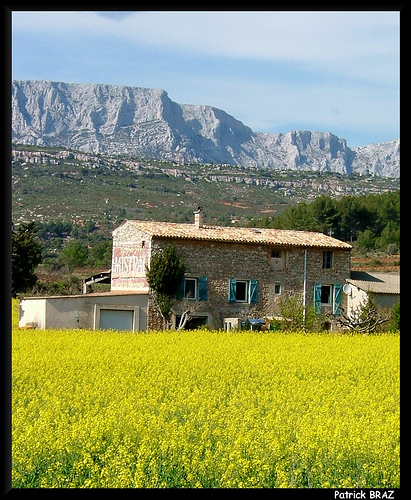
286 35
355 43
335 69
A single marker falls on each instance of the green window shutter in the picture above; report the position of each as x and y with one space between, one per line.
253 291
202 288
317 298
232 286
337 299
180 290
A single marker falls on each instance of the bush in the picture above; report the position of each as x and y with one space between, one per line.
296 316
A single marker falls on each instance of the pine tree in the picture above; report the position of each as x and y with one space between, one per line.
26 256
164 276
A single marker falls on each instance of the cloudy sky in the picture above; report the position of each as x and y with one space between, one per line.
275 71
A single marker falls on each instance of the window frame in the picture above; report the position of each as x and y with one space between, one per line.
328 259
200 288
330 294
246 291
335 297
195 281
251 291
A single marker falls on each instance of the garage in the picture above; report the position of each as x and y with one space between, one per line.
116 319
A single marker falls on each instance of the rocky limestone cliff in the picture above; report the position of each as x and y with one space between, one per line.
147 123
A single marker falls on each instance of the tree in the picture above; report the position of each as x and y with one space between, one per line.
188 307
27 254
75 254
354 217
100 254
324 213
164 276
390 235
365 318
395 317
296 315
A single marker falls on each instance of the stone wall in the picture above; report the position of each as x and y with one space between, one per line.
279 271
220 262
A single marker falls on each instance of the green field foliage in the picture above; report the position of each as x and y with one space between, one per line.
15 310
106 409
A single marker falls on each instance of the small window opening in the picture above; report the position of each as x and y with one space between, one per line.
327 260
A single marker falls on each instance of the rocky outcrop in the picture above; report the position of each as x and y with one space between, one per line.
146 123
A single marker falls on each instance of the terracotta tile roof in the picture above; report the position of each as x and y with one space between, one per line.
376 282
275 237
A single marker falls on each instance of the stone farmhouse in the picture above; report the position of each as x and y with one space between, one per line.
233 274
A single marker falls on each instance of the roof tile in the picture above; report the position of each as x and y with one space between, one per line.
259 236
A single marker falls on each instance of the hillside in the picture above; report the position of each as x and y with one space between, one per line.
146 123
60 184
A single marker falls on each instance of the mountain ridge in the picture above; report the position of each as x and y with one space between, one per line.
138 121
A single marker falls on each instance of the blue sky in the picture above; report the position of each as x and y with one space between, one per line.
275 71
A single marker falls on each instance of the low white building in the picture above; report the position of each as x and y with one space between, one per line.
385 288
108 310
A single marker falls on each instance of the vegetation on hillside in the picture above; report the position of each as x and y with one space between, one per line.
82 188
77 199
370 222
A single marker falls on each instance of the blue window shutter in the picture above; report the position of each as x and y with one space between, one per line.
180 290
253 291
232 286
317 298
337 299
202 288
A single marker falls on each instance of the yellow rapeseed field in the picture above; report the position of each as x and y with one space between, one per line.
204 409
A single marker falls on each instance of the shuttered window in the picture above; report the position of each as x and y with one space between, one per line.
317 298
202 288
337 299
328 295
253 291
193 288
243 291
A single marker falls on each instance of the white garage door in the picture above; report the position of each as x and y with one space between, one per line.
116 319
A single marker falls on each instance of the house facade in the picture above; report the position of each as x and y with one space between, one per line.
233 273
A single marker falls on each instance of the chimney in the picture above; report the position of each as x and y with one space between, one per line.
198 217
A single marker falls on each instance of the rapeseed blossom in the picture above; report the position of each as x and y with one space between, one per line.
200 409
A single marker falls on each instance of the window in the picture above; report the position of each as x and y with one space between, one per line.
277 259
193 288
243 291
327 260
277 287
190 288
328 295
195 322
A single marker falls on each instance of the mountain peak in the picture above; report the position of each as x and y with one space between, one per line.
147 123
